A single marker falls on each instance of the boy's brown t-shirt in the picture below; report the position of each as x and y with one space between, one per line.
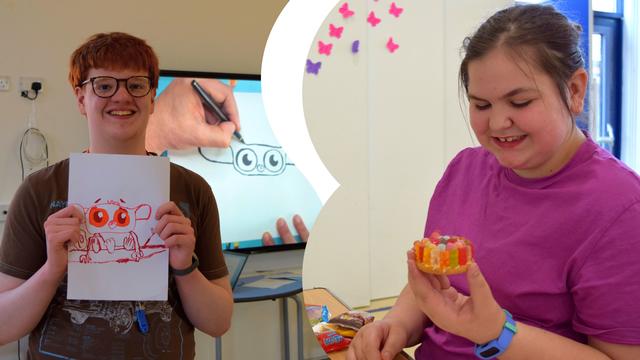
79 329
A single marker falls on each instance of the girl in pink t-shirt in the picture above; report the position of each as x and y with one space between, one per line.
554 218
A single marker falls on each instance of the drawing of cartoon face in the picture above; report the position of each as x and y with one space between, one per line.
109 234
114 217
250 159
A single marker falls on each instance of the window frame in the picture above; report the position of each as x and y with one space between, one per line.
610 26
619 7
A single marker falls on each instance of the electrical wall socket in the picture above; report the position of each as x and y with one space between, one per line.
4 209
25 83
4 83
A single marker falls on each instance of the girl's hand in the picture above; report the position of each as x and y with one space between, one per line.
380 340
477 317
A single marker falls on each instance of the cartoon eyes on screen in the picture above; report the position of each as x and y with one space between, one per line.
250 160
110 229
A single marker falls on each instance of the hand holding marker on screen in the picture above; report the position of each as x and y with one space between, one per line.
211 106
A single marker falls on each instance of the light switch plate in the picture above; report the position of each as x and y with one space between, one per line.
5 83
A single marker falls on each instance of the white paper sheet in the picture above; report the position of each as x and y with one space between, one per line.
119 258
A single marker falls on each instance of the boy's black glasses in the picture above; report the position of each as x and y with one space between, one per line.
107 86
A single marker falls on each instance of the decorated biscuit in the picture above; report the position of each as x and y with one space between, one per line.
443 254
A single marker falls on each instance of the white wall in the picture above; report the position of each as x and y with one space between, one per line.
37 37
335 107
385 125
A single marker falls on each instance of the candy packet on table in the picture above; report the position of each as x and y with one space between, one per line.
317 314
354 319
329 339
346 332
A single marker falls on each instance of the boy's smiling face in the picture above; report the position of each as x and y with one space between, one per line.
116 124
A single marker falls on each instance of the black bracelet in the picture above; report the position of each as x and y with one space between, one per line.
181 272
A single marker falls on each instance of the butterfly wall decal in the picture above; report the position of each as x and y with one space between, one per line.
313 68
335 31
355 47
345 11
324 49
372 19
392 46
395 10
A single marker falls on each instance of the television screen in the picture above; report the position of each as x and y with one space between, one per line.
254 183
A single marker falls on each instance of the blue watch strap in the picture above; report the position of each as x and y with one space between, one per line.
497 346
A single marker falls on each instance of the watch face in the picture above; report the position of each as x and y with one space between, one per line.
489 352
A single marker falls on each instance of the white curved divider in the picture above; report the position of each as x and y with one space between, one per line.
283 65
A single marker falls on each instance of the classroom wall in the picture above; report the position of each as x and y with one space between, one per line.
335 108
385 125
37 37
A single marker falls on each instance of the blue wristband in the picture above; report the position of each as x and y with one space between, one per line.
497 346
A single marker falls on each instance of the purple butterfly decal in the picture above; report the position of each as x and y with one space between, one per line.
313 68
355 47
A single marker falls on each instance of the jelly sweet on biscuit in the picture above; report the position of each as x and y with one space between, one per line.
443 254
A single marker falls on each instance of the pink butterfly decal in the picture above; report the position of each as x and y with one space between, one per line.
395 10
324 48
345 11
335 31
391 46
372 19
313 68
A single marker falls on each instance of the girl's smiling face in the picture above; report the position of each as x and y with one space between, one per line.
518 114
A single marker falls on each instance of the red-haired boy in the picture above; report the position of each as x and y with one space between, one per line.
114 77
